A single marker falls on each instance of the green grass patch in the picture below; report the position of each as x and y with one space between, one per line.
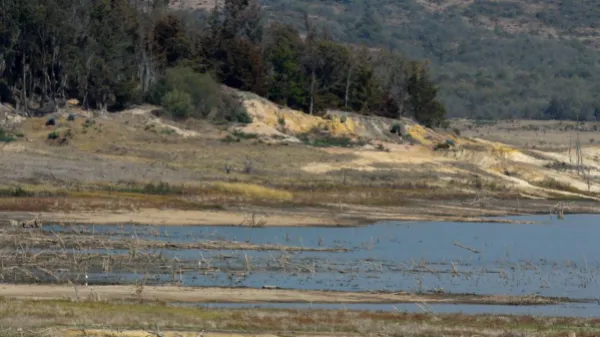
53 135
5 137
330 141
160 188
15 192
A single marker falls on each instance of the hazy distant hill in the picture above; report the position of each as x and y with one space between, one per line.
501 58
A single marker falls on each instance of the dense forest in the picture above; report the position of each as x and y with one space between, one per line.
111 54
492 59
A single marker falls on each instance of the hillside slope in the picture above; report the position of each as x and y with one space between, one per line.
492 59
287 167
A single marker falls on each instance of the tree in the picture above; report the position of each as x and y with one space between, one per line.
422 102
311 60
233 45
171 42
283 55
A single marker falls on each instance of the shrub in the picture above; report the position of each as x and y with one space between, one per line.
243 116
157 91
16 192
396 129
20 192
4 137
89 122
178 104
233 110
203 91
185 93
329 141
243 135
162 188
53 135
281 121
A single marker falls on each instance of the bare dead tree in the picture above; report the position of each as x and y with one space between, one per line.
311 40
351 65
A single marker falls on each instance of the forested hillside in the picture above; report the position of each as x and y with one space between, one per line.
110 54
492 59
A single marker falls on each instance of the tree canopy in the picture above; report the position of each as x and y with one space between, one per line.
110 54
491 59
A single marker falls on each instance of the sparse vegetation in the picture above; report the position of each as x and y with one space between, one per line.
253 191
244 135
396 129
17 192
118 316
281 121
4 137
160 188
327 141
557 185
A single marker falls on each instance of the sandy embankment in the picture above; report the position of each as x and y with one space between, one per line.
246 295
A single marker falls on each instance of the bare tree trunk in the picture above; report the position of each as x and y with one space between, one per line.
348 81
578 153
310 40
53 87
313 80
570 146
24 87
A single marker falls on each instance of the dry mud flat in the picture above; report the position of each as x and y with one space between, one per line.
246 295
336 216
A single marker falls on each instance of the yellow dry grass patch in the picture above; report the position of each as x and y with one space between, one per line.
501 150
422 135
253 191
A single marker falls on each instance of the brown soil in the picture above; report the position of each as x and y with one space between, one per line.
248 295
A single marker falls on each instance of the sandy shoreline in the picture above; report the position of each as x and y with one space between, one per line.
298 217
247 295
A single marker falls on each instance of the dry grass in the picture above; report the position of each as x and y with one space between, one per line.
110 164
536 134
